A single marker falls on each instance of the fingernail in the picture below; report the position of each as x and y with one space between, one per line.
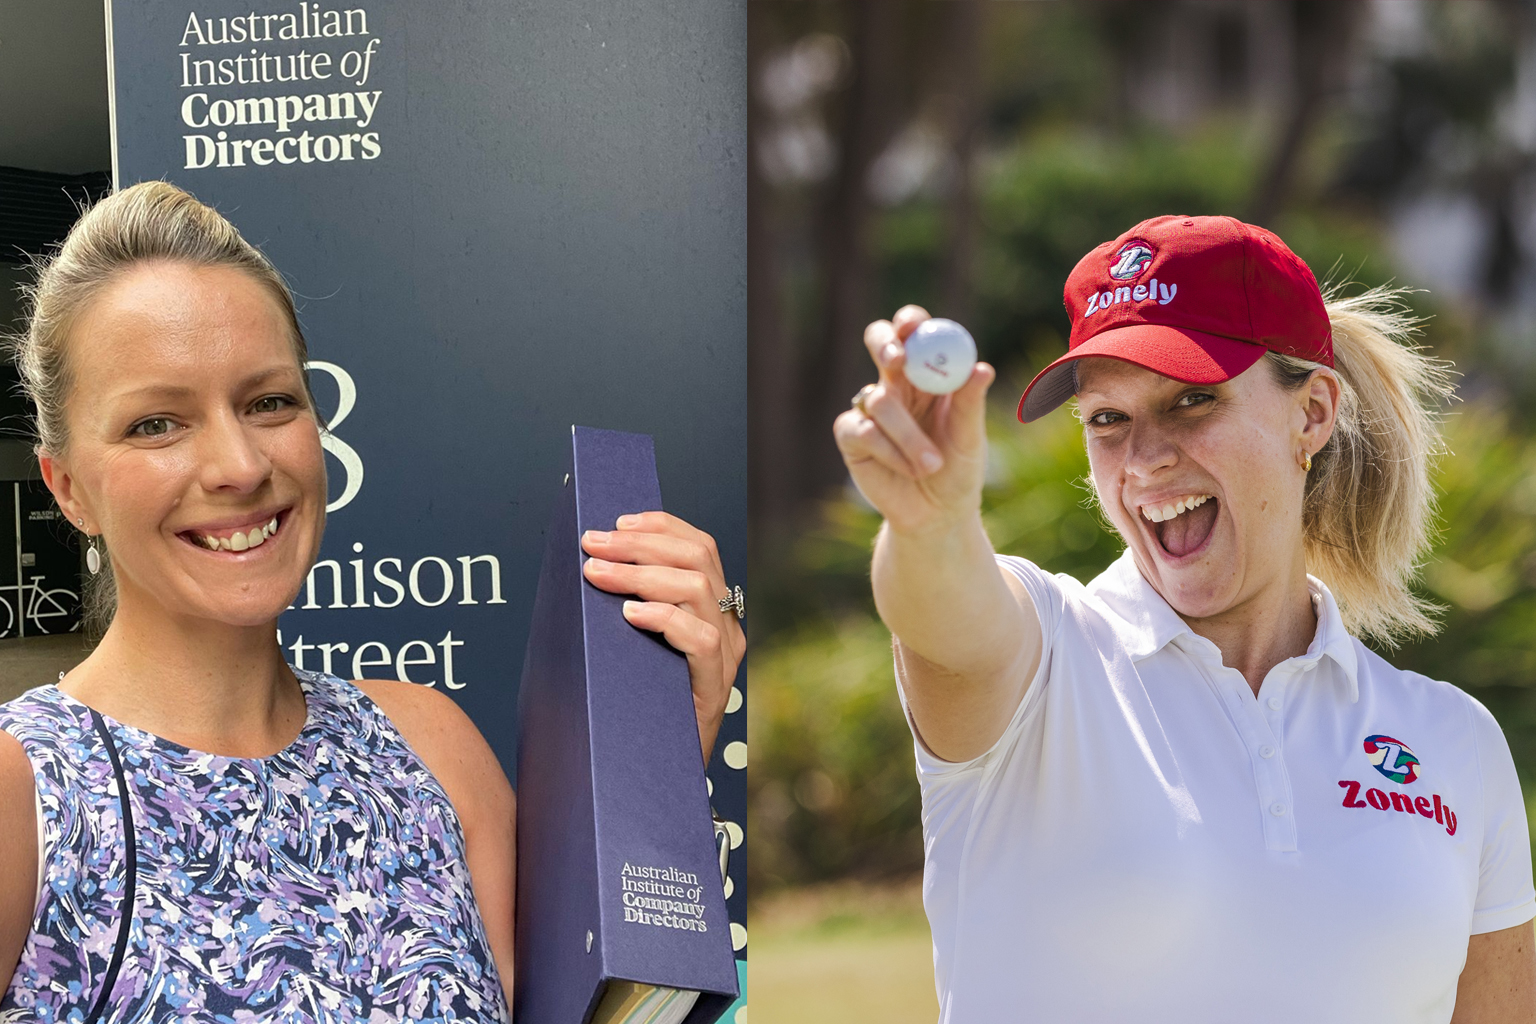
597 563
625 522
630 608
891 351
931 462
598 536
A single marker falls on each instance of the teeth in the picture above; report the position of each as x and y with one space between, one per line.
239 541
1163 513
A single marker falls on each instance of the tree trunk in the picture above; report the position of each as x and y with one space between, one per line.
773 404
964 32
839 364
1325 30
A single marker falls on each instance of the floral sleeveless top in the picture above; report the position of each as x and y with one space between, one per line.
324 883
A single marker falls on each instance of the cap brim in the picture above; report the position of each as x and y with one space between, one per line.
1191 357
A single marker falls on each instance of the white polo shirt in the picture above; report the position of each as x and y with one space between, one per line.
1149 842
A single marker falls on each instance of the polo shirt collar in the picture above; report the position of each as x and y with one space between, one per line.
1150 624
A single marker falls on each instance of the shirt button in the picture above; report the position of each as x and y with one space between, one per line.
1266 751
1277 809
1274 703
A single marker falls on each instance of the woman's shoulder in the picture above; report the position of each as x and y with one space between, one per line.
1436 703
42 708
1389 681
445 738
417 709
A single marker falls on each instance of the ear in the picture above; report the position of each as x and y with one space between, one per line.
1318 401
62 485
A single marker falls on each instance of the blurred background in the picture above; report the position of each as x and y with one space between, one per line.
963 155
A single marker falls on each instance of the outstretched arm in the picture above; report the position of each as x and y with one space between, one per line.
968 637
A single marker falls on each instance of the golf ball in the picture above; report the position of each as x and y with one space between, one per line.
940 356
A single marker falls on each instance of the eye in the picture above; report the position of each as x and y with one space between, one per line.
1194 398
155 426
1104 418
272 403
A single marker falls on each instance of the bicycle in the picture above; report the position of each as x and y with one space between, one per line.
40 604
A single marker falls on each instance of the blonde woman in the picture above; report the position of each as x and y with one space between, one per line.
1184 791
190 829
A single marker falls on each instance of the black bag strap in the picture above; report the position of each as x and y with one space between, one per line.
132 870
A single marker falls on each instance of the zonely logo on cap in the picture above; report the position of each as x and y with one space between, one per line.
1131 260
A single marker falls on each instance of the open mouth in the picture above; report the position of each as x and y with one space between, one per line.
236 540
1182 526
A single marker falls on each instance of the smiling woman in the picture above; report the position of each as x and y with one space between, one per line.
159 237
1132 788
188 825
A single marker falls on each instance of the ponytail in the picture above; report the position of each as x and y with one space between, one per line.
1369 504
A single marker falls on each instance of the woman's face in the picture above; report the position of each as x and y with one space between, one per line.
1204 482
190 436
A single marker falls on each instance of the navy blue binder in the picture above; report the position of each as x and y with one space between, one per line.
617 869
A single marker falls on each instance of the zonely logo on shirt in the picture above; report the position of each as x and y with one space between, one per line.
1393 759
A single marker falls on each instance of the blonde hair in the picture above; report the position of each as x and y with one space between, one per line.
1369 504
151 221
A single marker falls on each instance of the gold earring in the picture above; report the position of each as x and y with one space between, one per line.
1306 467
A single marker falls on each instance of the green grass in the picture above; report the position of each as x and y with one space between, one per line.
840 954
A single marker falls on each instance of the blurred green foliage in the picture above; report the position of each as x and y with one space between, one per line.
1483 572
832 790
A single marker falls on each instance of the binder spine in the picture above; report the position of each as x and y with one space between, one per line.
662 901
618 873
557 877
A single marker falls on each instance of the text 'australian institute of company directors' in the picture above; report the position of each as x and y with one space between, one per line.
252 100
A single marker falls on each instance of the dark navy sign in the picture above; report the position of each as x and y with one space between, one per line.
499 219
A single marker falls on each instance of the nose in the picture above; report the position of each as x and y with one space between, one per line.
1149 450
230 457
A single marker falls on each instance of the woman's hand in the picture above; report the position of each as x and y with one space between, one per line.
675 572
920 459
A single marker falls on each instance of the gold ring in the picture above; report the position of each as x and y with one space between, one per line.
862 397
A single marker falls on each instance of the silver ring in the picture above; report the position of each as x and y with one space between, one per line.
862 397
736 601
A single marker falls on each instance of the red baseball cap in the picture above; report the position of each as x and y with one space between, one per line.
1198 299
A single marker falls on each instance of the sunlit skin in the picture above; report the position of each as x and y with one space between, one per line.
1152 440
197 422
